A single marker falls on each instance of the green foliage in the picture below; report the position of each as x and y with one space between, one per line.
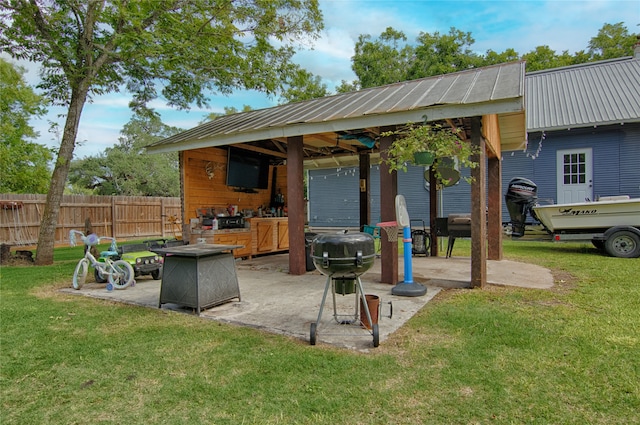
438 54
382 61
303 85
433 138
24 164
179 50
126 169
389 58
612 41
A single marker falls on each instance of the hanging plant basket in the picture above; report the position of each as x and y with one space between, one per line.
423 158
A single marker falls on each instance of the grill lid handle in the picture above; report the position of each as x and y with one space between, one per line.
359 259
325 259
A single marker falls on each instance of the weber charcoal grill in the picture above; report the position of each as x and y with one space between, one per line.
343 258
521 196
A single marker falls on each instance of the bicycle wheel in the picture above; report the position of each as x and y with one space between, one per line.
80 273
121 274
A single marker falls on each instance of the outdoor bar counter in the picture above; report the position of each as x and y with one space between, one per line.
199 276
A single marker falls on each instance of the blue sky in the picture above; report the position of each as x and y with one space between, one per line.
497 25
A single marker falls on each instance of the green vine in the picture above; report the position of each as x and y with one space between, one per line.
434 138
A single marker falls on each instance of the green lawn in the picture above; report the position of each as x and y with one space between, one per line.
569 355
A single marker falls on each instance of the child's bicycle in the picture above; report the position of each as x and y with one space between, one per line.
119 273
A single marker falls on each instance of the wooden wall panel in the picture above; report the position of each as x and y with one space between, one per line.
205 173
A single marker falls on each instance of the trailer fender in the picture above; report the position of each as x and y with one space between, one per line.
615 229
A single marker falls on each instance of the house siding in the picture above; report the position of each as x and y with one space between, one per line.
616 155
334 196
629 168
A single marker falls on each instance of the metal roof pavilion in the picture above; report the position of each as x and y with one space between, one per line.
329 124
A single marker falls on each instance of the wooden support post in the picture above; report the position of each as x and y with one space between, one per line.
494 214
365 191
388 192
295 199
433 211
478 208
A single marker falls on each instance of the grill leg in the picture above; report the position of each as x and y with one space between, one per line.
452 240
324 298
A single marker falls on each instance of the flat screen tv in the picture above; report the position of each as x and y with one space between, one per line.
247 170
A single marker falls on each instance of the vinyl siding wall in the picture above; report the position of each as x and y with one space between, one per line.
333 193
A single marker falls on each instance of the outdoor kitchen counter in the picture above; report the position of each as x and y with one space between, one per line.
199 276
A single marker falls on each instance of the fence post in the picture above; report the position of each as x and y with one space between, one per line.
162 215
113 217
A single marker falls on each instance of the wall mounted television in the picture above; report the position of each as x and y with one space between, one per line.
247 170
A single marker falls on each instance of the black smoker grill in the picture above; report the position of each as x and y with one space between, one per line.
343 258
454 226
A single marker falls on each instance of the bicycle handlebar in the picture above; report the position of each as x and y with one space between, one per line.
91 240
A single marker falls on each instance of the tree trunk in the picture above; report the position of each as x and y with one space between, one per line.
49 221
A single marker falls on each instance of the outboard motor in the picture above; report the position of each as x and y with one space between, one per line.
521 195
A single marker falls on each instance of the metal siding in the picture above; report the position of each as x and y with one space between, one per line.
606 162
629 168
412 186
333 198
515 164
616 155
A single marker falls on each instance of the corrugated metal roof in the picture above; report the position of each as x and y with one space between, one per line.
597 93
489 90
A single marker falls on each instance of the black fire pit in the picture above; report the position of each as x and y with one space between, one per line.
343 258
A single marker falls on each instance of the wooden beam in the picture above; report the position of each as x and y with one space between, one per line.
295 202
461 133
261 150
478 208
491 132
388 192
494 209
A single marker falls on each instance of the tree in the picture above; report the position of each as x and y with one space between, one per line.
24 164
382 61
544 57
438 54
389 58
118 171
189 46
303 85
612 41
228 110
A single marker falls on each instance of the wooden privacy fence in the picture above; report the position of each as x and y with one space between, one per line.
122 217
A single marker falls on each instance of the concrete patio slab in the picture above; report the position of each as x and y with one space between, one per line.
275 301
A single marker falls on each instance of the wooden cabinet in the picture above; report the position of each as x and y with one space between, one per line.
283 234
243 239
227 238
265 235
269 234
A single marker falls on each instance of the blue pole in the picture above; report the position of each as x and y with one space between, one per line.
408 270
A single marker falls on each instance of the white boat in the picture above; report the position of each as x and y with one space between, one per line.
604 213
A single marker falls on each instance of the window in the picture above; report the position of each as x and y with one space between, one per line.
575 168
